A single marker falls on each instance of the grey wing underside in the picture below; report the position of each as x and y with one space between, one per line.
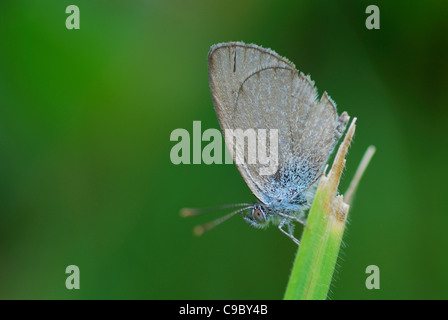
255 88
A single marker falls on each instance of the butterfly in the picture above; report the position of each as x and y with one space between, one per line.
255 88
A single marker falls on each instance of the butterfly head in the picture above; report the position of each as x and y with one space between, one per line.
258 216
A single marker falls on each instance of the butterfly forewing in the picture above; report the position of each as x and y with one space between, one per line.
229 64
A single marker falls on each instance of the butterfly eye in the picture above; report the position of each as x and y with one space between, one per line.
258 215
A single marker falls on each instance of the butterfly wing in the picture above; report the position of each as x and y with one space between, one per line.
254 88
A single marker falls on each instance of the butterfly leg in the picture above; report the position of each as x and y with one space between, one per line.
290 230
286 216
290 227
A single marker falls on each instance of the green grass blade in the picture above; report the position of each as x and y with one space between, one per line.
315 262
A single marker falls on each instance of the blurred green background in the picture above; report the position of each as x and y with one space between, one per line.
85 123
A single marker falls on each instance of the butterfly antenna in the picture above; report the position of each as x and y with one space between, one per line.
200 229
190 212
